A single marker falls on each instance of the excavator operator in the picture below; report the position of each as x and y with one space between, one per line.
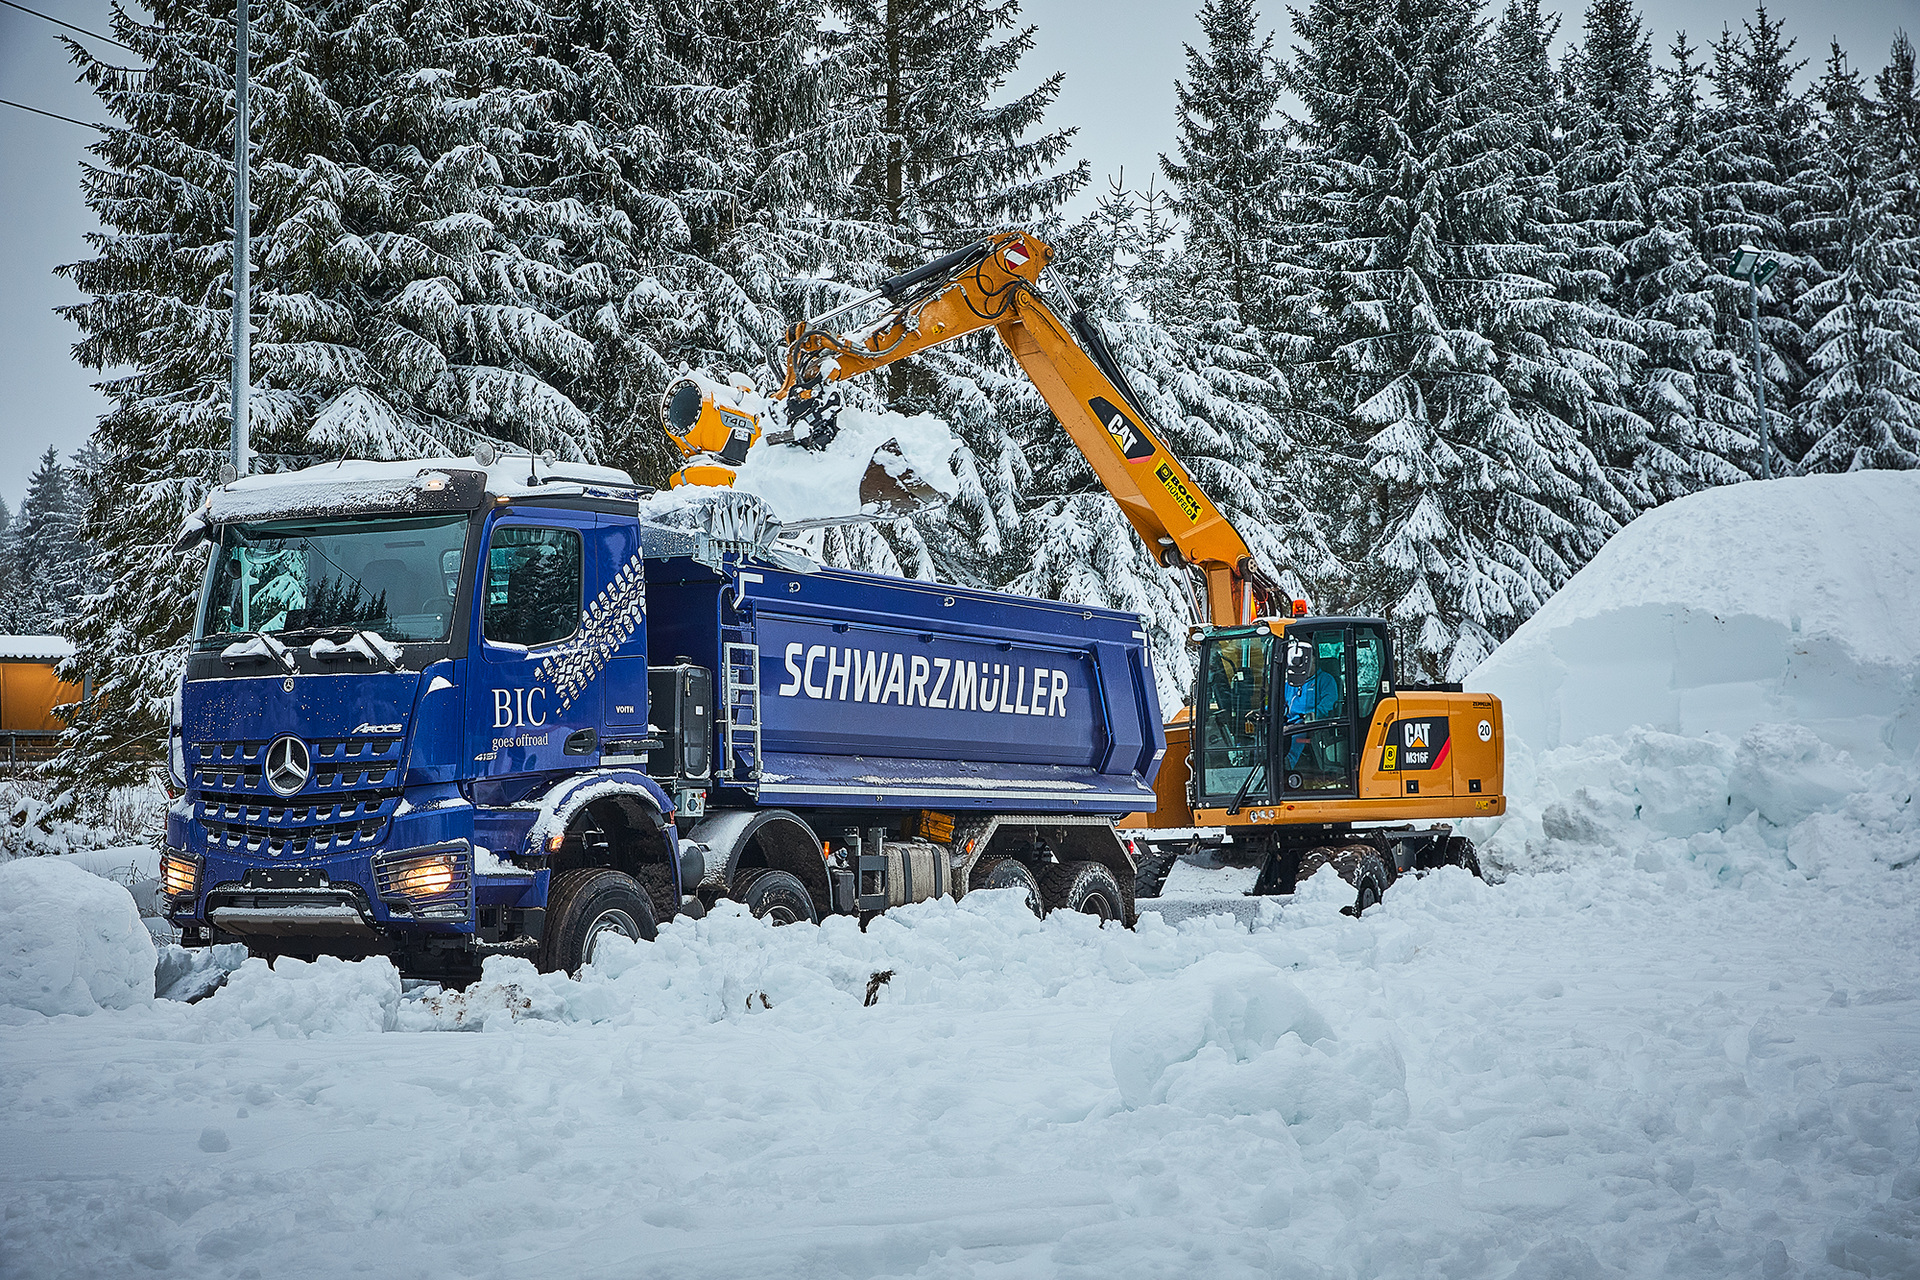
1312 694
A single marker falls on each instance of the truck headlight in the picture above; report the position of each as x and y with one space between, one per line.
432 885
425 878
179 874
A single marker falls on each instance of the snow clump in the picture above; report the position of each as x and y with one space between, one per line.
70 942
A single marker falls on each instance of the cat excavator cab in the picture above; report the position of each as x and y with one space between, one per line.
1301 748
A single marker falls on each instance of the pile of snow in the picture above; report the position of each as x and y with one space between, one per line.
70 941
800 484
1735 679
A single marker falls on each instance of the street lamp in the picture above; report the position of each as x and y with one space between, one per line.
1757 266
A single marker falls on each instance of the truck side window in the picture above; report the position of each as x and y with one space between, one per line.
533 585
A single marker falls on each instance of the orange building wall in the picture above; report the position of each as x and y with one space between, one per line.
29 692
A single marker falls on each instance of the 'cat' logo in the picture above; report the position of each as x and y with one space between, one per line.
1416 733
1129 439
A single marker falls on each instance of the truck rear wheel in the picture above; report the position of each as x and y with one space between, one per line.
1008 873
586 907
1086 887
774 895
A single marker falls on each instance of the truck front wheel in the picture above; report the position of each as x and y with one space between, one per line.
774 895
584 908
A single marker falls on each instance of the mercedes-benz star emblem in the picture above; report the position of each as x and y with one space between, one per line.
287 765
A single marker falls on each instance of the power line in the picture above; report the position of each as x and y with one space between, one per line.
51 115
69 26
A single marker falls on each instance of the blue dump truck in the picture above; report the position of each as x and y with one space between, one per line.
443 710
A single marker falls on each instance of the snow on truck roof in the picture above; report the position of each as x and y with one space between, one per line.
35 648
422 484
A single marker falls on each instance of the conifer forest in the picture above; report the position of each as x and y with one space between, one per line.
1433 298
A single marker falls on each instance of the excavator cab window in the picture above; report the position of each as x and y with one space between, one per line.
1235 696
1317 751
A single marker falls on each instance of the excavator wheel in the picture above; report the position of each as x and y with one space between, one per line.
1358 865
1459 853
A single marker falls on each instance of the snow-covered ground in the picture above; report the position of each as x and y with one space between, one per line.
1681 1039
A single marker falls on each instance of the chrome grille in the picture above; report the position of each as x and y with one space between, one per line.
353 791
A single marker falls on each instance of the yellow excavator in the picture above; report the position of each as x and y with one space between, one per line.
1300 748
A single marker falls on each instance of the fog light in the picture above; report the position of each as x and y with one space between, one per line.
179 875
427 878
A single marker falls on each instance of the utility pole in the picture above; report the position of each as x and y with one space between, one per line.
1756 266
241 450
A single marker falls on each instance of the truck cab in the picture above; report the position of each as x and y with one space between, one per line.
400 677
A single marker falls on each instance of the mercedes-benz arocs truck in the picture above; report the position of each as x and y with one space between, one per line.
440 710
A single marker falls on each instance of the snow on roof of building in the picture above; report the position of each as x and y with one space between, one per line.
35 648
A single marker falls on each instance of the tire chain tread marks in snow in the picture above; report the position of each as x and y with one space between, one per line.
1075 886
573 902
1008 873
764 889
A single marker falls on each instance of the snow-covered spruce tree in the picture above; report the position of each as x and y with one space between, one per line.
448 248
1862 407
1573 225
1458 379
1229 180
1609 177
1759 138
1895 115
945 159
1693 392
49 560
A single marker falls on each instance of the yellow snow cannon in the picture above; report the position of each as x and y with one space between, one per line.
713 424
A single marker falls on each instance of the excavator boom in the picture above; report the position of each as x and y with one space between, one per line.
996 285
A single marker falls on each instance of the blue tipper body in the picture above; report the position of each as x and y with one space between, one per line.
883 692
832 690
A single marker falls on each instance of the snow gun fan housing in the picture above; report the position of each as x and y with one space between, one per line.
712 426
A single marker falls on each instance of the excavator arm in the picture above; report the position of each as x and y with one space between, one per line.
995 284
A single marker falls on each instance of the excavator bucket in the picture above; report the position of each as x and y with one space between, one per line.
892 488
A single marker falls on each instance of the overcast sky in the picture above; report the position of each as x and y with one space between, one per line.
1120 58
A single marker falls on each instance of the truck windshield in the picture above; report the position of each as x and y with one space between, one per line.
395 577
1234 706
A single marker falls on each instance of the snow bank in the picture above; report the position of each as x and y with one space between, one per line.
294 999
1772 601
1734 680
70 941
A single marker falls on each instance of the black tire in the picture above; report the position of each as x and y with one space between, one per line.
774 895
583 906
1371 876
1008 873
1150 873
1460 854
1363 868
1086 887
